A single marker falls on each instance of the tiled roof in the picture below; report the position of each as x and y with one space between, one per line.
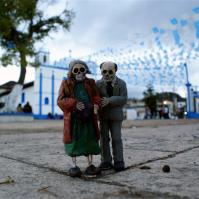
7 87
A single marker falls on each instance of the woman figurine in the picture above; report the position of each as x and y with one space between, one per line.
79 100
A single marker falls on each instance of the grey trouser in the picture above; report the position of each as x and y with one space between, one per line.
117 148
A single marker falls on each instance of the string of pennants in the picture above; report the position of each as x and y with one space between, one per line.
160 61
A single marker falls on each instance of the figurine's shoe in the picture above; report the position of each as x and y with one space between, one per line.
105 165
75 172
119 166
92 171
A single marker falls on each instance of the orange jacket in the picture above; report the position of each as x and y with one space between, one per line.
67 103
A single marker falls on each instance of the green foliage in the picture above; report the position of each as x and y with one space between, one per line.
169 96
22 24
7 58
150 99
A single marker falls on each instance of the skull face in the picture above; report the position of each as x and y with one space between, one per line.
108 71
79 72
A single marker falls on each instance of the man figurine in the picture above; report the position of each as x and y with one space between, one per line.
79 100
113 94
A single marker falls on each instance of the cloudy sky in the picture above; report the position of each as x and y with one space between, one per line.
99 24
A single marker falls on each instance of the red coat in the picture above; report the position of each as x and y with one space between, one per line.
67 103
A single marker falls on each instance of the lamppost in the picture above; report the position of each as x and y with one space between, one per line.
188 85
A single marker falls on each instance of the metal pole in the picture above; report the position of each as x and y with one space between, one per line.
188 85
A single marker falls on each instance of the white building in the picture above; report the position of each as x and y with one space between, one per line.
48 79
43 92
22 98
192 102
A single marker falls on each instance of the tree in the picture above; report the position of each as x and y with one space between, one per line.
169 96
22 25
150 100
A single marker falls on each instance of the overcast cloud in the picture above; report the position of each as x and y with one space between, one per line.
111 23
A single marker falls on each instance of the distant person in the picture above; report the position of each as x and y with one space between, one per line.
19 108
160 112
50 116
147 113
27 108
166 112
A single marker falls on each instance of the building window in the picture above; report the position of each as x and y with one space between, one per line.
22 97
46 101
44 59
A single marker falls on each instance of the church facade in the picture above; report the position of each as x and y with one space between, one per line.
46 85
42 93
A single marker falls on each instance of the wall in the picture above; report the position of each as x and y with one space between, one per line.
47 82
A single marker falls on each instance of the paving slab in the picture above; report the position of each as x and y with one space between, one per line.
34 157
162 138
31 182
181 182
46 149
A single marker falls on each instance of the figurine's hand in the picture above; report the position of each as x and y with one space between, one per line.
80 106
104 101
96 108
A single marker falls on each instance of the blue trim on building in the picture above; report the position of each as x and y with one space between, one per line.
192 115
50 78
188 85
45 117
22 97
16 114
196 94
40 93
40 117
46 101
55 67
52 93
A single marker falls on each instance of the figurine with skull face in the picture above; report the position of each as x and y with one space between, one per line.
108 71
79 99
113 94
79 72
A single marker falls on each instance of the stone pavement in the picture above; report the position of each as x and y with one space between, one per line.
32 155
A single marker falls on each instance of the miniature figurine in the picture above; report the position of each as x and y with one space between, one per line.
113 94
79 100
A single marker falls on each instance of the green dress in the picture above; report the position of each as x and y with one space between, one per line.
84 141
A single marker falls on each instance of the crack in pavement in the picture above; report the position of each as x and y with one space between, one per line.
25 131
33 164
99 179
132 192
152 150
163 157
128 167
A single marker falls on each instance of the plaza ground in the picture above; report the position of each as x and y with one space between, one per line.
32 154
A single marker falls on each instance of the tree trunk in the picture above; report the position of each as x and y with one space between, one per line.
23 64
14 96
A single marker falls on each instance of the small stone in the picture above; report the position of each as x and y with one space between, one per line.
166 168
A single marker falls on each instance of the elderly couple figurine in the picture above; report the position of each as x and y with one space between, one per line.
83 102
